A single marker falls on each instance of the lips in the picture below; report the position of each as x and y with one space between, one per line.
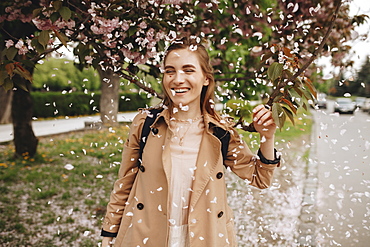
180 90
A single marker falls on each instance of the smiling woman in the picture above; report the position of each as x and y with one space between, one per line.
184 80
172 192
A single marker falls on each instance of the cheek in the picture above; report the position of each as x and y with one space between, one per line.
166 84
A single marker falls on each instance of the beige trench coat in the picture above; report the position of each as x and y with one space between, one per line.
138 207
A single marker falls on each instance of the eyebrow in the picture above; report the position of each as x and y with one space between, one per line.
184 66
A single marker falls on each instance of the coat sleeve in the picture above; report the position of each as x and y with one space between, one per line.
126 177
254 168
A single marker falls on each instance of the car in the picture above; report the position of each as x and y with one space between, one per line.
366 105
320 101
344 105
360 101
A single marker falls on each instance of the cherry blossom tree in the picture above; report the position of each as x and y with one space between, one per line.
120 38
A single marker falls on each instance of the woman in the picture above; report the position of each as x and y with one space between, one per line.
177 195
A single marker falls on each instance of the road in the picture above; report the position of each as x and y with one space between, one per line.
343 194
58 126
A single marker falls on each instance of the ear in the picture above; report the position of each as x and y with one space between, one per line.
206 82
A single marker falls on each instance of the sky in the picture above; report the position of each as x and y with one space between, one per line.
360 45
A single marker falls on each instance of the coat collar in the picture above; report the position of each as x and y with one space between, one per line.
209 121
207 158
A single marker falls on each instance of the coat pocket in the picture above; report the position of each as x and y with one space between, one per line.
231 234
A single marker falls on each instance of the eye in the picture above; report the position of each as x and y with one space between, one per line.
169 71
189 70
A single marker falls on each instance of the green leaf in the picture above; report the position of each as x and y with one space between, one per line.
36 12
54 16
62 38
289 114
275 71
11 52
8 84
57 5
39 48
65 12
278 115
3 76
44 38
22 85
297 96
131 31
161 45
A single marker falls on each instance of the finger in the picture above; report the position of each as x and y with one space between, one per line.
262 116
269 123
257 108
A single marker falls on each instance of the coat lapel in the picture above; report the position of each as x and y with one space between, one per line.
206 163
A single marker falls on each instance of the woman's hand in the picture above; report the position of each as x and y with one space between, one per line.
263 122
107 242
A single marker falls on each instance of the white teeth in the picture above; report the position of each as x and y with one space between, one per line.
182 90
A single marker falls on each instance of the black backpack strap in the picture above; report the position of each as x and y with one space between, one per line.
149 120
224 137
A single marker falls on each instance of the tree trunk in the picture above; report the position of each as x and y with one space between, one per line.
109 97
6 106
25 141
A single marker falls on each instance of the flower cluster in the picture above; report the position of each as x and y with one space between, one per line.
15 13
104 26
46 24
23 46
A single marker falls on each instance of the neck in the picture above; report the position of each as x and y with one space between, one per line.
186 115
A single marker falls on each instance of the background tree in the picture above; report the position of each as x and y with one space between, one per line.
121 38
19 70
57 74
361 85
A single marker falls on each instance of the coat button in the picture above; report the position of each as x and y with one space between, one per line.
219 215
140 206
142 168
219 175
155 131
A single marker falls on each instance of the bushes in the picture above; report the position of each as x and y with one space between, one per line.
239 108
51 104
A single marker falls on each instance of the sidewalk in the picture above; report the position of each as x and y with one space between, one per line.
58 126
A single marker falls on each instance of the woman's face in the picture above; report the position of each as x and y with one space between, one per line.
183 78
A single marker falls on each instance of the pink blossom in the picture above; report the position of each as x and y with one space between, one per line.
104 26
60 23
150 33
19 44
9 43
176 2
88 59
125 25
129 54
22 49
43 24
143 25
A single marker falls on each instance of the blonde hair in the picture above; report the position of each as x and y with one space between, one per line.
207 94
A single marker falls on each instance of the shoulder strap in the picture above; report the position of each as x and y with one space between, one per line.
149 120
220 133
224 137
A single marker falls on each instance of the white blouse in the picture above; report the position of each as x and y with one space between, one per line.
185 144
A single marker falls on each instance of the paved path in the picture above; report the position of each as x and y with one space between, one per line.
58 126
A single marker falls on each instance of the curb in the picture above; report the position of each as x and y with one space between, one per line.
307 227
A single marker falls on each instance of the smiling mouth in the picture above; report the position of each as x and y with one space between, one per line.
180 90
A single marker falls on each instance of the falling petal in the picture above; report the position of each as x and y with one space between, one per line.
69 167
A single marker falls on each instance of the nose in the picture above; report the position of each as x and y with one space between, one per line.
179 77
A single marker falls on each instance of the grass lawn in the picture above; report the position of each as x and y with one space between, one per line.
58 198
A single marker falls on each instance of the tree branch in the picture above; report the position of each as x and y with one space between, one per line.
282 84
139 84
308 63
